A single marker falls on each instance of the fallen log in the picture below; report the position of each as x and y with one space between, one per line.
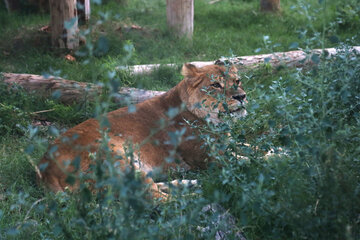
291 59
69 92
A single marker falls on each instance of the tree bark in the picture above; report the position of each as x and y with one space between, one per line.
269 5
180 17
64 24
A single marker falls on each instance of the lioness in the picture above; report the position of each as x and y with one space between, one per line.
124 126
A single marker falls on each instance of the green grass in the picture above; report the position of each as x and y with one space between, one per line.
18 188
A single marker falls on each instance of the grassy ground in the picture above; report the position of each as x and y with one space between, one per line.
222 29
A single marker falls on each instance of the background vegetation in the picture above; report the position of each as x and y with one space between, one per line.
309 189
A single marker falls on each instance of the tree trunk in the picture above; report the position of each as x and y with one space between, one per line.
12 5
269 5
83 11
64 24
180 17
69 92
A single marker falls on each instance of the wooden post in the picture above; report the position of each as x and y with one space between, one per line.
83 11
269 5
64 24
180 16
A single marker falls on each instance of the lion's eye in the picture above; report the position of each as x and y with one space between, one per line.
216 85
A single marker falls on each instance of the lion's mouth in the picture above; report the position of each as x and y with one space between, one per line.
239 112
241 108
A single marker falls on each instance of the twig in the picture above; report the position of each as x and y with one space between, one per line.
36 168
214 1
42 111
32 206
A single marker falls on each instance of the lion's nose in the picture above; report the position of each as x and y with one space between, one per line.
240 97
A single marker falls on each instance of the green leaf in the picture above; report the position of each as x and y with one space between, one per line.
128 48
86 195
33 131
75 136
57 230
12 232
76 163
172 112
226 108
70 24
261 178
334 39
56 94
315 58
131 108
255 106
111 74
70 180
43 166
29 149
54 131
53 149
267 59
294 45
80 6
103 45
271 123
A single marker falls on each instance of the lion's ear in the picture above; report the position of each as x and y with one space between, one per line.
189 70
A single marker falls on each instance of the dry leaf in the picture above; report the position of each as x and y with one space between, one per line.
70 58
137 27
41 123
45 29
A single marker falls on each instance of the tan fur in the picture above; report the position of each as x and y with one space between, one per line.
137 126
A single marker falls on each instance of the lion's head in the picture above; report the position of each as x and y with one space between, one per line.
212 90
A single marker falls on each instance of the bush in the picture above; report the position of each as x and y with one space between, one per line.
309 188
